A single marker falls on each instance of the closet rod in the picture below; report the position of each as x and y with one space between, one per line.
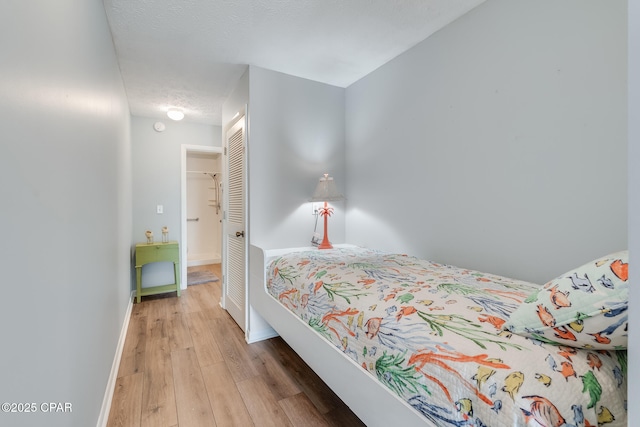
204 172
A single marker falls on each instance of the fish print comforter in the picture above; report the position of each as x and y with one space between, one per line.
433 334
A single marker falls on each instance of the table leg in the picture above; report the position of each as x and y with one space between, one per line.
176 268
138 284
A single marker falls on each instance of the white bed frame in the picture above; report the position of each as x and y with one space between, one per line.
372 402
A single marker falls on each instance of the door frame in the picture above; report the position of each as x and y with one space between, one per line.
185 149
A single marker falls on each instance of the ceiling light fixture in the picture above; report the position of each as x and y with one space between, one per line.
175 114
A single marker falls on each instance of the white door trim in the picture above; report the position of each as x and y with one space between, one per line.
184 150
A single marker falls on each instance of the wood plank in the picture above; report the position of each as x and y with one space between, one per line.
158 394
301 411
216 292
189 300
276 376
261 404
157 318
209 293
173 305
179 334
234 354
158 307
203 341
191 394
138 310
216 313
204 296
309 382
225 399
342 416
132 360
252 351
126 402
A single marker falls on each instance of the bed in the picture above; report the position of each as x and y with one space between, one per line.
405 341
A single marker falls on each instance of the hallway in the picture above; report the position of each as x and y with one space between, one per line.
186 363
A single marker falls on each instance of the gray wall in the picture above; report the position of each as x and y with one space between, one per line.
236 101
499 143
296 133
156 160
634 198
65 187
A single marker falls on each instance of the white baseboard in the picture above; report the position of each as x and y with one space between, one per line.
203 259
111 383
261 335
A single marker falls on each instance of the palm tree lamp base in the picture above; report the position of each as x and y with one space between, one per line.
325 212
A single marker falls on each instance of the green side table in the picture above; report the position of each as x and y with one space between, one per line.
156 252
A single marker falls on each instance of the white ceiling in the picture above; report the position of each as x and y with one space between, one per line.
191 53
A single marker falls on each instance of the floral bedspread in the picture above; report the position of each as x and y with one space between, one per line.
433 334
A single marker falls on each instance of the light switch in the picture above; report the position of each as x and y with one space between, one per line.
159 209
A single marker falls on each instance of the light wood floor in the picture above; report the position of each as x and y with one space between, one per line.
185 363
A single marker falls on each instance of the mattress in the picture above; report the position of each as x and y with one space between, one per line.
433 334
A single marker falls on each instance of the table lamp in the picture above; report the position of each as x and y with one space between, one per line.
326 191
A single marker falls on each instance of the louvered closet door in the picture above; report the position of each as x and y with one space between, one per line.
235 236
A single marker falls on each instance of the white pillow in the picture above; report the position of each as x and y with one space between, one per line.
585 307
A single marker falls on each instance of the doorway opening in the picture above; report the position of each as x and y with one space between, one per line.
201 211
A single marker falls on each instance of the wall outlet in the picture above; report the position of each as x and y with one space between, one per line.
159 209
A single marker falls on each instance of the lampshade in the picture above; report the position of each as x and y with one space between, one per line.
326 190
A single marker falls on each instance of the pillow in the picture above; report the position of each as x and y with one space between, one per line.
585 307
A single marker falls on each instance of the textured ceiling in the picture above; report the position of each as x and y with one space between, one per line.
190 53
